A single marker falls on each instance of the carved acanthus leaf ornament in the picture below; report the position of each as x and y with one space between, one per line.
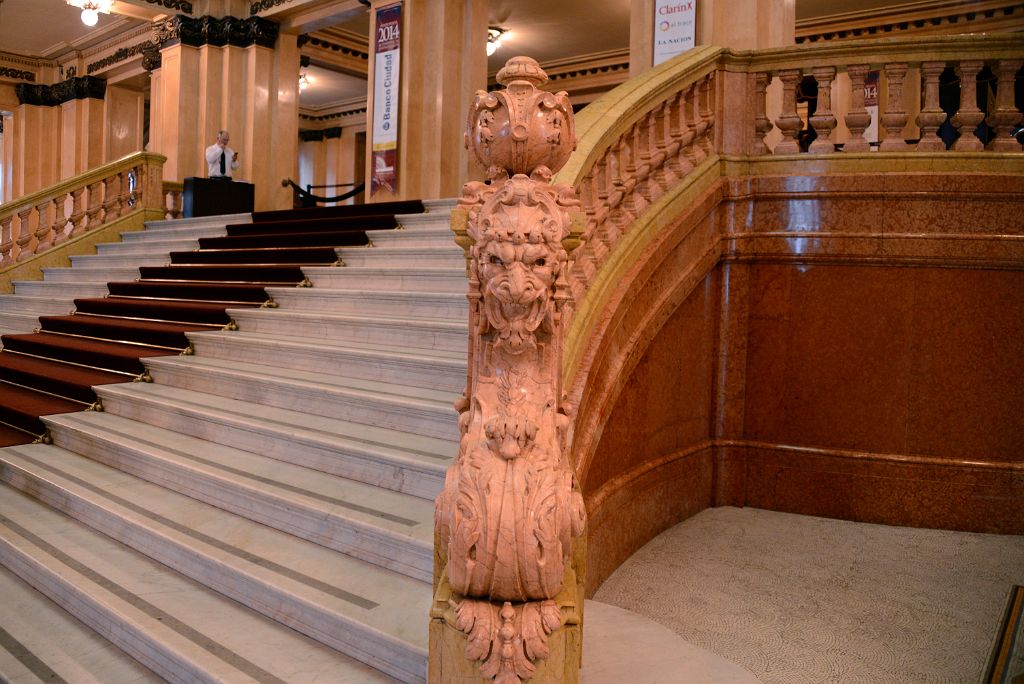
510 507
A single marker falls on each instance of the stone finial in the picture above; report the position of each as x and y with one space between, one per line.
521 129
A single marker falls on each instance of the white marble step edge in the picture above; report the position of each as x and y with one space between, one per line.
434 237
349 450
304 391
301 516
393 366
402 257
411 279
434 305
22 322
145 248
80 655
37 304
185 231
413 333
101 275
69 291
97 261
220 220
273 594
136 631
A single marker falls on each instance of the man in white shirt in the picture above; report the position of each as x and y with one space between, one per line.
221 159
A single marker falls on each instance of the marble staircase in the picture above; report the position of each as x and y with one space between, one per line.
263 510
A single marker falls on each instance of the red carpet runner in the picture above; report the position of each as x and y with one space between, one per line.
105 340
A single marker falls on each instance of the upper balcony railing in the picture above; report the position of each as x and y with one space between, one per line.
35 223
654 131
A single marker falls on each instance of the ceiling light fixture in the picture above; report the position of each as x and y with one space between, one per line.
304 81
91 9
494 36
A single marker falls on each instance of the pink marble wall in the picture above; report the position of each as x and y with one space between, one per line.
858 357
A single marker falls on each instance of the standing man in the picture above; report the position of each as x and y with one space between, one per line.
221 159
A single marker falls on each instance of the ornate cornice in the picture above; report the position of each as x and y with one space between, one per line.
334 115
175 5
119 56
16 74
335 47
257 7
916 17
318 134
75 88
207 30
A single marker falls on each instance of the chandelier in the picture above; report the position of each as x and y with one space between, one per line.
91 9
494 36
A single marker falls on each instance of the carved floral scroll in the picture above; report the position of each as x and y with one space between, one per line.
510 507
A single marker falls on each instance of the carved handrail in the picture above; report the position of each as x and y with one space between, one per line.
39 221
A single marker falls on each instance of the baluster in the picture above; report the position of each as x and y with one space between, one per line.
632 202
789 121
44 226
707 115
616 190
645 163
25 234
762 125
95 206
895 117
858 118
48 238
697 126
673 146
6 241
931 116
124 199
663 142
658 144
77 213
1006 116
823 120
111 197
682 134
969 116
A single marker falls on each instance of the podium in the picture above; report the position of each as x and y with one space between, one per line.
210 197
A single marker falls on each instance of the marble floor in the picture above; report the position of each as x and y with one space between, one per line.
794 599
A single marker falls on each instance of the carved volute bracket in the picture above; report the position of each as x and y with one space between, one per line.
511 508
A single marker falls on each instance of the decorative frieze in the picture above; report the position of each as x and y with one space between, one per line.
313 41
175 5
197 32
257 7
75 88
118 56
17 74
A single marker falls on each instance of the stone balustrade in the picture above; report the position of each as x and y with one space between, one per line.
655 131
128 187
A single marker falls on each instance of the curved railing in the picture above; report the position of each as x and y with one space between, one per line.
73 207
664 131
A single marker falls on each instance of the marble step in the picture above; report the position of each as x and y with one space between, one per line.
435 235
36 305
18 322
60 290
384 528
98 272
408 279
175 231
450 306
30 653
403 462
418 333
100 261
416 367
177 627
179 224
404 257
400 407
147 247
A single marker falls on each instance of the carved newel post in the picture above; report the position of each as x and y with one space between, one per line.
506 592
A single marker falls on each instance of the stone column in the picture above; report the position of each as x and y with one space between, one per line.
507 605
227 73
123 112
443 62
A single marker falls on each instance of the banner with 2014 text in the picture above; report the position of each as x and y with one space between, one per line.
384 159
